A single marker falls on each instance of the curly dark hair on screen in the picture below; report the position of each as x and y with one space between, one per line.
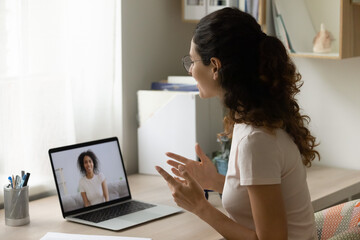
93 157
258 77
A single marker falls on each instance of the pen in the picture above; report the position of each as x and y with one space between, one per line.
17 181
10 180
22 181
26 179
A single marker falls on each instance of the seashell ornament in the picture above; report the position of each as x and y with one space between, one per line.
322 41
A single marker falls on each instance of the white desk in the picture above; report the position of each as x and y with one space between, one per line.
327 186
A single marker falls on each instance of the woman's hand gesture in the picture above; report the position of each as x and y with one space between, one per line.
204 172
187 192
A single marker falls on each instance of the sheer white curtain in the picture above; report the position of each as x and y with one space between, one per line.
59 81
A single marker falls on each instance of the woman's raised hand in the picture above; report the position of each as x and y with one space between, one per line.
187 192
204 172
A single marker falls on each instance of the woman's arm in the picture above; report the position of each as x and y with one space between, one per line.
85 199
105 190
268 211
270 224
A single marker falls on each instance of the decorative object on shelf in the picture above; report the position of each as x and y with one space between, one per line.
221 158
322 41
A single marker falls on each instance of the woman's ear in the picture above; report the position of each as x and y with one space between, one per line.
215 67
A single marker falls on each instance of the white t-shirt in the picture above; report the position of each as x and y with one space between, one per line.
93 188
258 157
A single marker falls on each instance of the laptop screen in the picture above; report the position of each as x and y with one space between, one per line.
89 175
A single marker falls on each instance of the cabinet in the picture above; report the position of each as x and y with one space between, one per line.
194 10
171 121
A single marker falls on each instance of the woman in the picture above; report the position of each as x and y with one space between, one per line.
92 185
264 192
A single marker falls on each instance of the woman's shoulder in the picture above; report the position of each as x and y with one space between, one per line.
246 130
241 130
101 176
246 134
82 179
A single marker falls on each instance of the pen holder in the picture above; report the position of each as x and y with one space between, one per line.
16 205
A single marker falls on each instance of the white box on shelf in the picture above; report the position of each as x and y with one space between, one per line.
181 79
213 5
194 10
174 122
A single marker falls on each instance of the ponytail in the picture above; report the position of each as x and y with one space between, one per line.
279 73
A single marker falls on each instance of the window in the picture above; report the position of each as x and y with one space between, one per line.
60 69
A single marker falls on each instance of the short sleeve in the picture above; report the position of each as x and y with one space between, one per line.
101 177
259 159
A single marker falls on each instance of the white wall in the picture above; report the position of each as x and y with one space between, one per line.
154 39
331 97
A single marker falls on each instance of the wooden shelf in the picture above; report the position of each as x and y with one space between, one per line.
346 30
349 29
347 33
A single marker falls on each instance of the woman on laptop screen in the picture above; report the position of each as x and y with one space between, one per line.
264 191
92 185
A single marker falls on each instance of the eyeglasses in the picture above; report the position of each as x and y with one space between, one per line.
187 62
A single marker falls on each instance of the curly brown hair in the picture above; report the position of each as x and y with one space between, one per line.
258 77
80 161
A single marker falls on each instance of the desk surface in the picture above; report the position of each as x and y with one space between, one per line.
45 216
327 186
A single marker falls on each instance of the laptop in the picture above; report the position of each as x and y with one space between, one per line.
98 194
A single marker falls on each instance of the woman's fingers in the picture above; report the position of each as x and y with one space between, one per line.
178 157
170 180
185 174
176 172
173 163
182 181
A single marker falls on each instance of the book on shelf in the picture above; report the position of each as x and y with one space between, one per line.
280 29
251 7
241 5
173 86
176 83
295 19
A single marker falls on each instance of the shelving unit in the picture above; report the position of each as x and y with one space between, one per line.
346 30
341 18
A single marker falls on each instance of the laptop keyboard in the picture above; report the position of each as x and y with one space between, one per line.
114 211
